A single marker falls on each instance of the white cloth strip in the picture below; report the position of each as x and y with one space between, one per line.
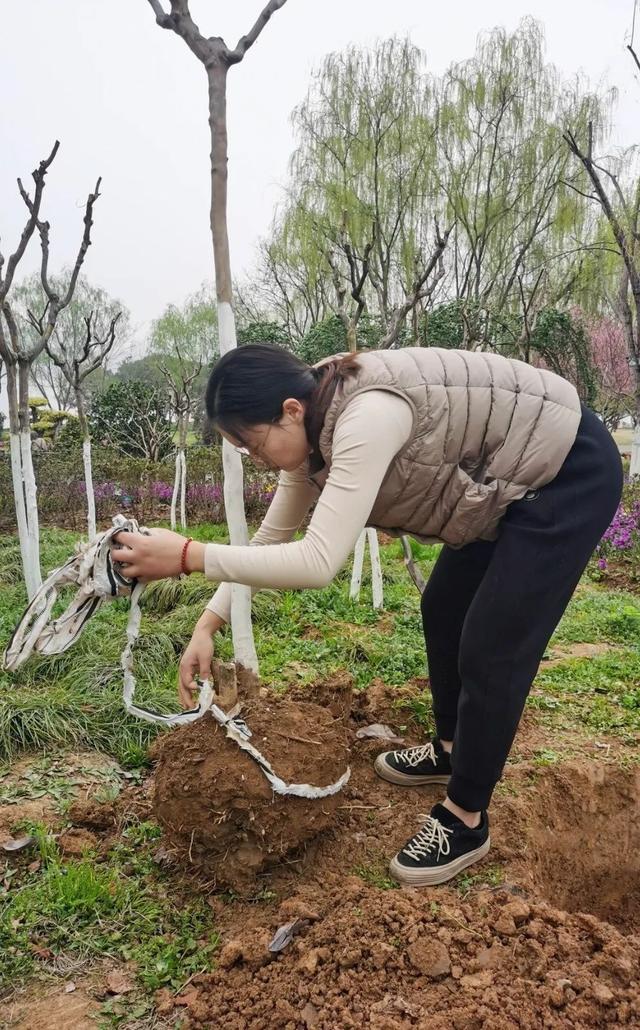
100 579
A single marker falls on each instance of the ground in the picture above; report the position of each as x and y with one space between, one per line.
105 923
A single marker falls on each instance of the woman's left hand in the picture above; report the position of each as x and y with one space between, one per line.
157 555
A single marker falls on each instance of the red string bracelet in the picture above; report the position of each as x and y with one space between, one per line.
183 557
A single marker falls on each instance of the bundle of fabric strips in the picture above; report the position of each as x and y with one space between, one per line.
98 579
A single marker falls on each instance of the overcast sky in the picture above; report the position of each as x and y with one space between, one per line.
128 101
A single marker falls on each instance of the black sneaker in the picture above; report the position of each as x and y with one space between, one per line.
440 850
428 763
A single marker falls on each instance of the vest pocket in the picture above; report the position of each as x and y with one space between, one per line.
474 512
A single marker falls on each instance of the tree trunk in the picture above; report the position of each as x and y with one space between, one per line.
358 562
88 482
28 474
634 467
183 491
241 628
376 568
176 486
369 536
86 462
30 557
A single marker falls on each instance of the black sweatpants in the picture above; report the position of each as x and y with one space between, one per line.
490 608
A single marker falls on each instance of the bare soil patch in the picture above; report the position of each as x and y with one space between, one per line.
540 935
579 831
46 1008
563 652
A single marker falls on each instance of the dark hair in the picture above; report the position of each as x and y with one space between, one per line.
248 386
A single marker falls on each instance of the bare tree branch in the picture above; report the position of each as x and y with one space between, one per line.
235 56
432 274
27 232
84 246
163 19
634 55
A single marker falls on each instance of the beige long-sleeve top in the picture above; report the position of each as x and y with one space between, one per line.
368 434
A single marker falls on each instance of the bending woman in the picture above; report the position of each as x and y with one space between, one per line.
494 458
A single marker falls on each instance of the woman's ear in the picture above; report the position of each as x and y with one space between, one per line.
294 409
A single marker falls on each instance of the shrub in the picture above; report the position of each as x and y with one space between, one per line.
133 486
621 542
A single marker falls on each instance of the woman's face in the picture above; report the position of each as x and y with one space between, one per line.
279 445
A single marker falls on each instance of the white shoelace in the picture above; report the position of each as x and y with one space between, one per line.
412 756
432 834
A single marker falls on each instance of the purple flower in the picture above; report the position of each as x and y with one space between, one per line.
161 491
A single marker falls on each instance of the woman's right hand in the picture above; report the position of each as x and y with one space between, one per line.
197 659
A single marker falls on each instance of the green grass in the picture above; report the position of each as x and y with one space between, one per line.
121 908
601 693
53 778
375 875
489 876
74 700
598 616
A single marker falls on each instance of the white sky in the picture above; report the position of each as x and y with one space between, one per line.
127 100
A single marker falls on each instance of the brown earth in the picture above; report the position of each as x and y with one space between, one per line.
47 1009
565 837
396 960
621 576
215 803
542 934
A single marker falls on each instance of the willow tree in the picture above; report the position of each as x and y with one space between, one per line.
217 58
361 208
183 343
520 224
615 188
362 199
385 149
20 349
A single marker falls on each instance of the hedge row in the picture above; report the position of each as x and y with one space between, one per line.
132 486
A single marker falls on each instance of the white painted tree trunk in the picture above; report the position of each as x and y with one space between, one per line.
358 561
88 483
24 492
376 568
31 571
369 536
176 487
634 468
183 491
241 629
30 494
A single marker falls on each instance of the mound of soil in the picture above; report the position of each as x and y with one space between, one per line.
398 960
215 803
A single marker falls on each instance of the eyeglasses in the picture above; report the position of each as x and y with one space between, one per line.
256 452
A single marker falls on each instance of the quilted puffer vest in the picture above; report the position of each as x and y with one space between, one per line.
486 430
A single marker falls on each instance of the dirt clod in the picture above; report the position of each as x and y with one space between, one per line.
430 958
75 842
94 814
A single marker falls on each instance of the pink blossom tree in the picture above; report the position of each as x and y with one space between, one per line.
609 350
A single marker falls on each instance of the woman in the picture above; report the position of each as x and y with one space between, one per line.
495 458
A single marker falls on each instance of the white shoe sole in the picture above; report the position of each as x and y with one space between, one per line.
432 877
386 772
